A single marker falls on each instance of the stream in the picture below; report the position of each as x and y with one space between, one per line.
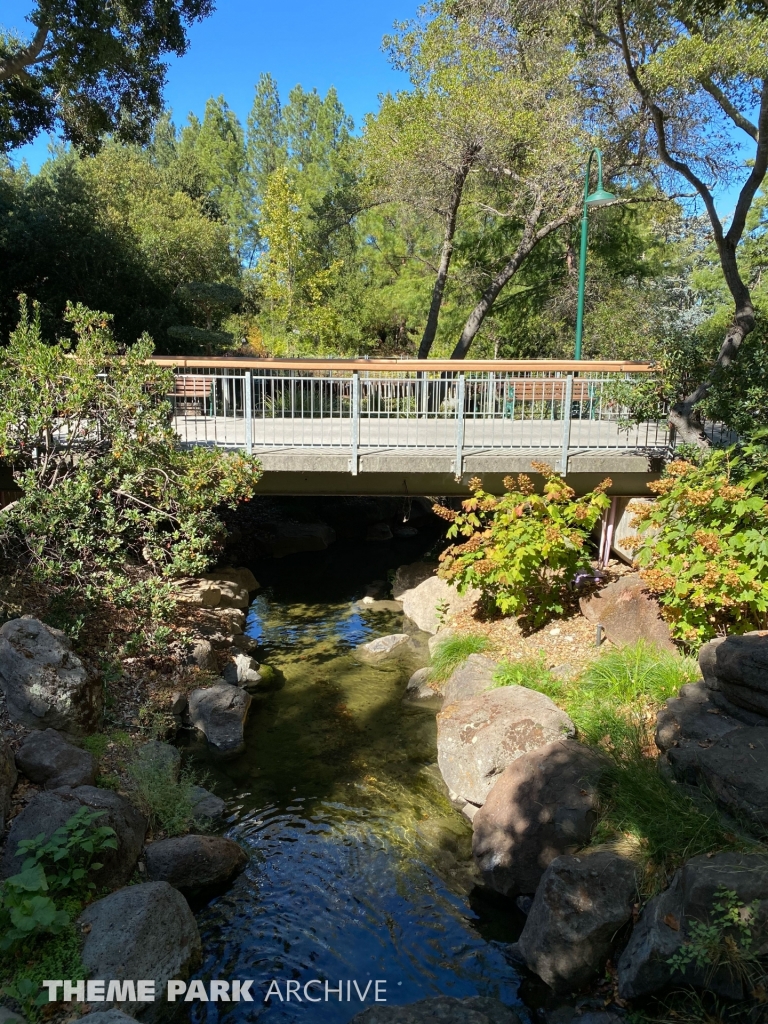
360 868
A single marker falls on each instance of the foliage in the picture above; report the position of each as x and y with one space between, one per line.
724 941
164 795
39 957
703 548
613 705
112 503
25 910
92 69
67 855
523 550
452 651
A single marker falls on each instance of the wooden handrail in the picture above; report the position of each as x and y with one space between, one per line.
406 365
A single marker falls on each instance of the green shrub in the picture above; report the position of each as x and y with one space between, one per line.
164 796
703 548
452 651
530 672
523 550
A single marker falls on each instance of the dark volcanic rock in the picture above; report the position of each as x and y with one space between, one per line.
738 667
543 805
195 862
49 760
693 715
582 902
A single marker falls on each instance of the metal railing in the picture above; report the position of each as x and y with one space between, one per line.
360 406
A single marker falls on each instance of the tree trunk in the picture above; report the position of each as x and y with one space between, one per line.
438 290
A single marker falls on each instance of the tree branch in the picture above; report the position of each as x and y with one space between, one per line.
12 66
755 179
729 108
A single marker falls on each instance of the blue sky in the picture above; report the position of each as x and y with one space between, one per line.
317 43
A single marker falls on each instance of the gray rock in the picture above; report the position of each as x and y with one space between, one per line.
543 805
160 757
473 677
195 862
628 612
231 620
243 670
383 649
419 686
240 576
664 925
734 769
582 902
232 594
409 576
220 713
206 805
245 643
143 931
479 737
10 1017
442 1009
49 760
692 715
437 638
202 656
738 667
433 602
7 780
48 811
45 684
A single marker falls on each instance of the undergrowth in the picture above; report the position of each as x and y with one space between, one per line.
453 651
613 705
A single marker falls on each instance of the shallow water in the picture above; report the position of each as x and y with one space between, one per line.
360 867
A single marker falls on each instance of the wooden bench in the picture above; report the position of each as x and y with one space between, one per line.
193 390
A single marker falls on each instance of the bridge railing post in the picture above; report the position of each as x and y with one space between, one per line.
354 462
458 466
248 410
567 414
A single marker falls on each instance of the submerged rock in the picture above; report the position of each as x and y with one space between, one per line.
420 686
384 648
442 1009
143 931
581 904
49 760
543 805
45 684
479 737
220 713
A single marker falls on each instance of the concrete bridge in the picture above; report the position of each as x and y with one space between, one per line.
325 426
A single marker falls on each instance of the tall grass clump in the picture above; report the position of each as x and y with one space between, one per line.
613 705
163 794
454 651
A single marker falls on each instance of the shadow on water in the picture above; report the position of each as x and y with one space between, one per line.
360 867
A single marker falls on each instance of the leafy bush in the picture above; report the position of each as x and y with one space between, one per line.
523 550
112 504
703 547
163 795
453 651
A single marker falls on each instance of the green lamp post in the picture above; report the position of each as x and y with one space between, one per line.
598 198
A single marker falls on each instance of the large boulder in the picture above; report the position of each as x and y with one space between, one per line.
239 576
220 713
737 666
383 649
442 1009
49 760
475 675
434 601
479 737
692 715
664 925
543 805
195 862
202 655
628 612
734 769
7 780
45 684
581 904
409 576
48 811
141 932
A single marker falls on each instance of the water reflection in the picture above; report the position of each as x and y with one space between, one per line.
360 867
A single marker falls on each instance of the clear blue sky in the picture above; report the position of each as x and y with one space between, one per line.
317 43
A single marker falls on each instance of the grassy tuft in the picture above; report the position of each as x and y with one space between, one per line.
613 705
164 798
454 651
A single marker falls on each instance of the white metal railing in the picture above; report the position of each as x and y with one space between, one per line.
354 408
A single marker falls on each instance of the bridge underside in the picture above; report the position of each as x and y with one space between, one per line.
309 471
